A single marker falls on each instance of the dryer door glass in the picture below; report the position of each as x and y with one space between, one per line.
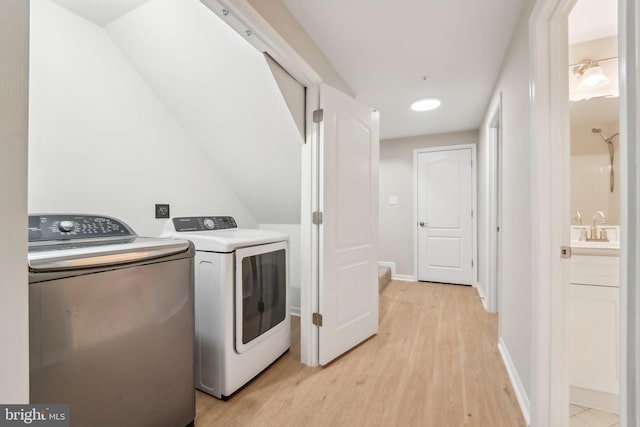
264 293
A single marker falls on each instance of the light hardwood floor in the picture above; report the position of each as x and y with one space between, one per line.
434 363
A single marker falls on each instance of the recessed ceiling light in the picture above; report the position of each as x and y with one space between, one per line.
426 104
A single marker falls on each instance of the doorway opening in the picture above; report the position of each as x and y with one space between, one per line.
552 215
594 267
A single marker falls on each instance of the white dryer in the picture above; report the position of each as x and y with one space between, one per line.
241 300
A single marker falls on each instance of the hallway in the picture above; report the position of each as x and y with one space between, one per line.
434 362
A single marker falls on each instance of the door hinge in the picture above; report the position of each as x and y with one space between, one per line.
471 263
472 213
316 318
316 218
318 115
565 252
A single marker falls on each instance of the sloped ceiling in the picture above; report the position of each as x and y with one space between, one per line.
219 88
221 91
100 12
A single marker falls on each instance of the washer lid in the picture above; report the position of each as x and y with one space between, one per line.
228 240
73 255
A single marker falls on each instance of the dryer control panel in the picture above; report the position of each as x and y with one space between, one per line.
68 227
204 223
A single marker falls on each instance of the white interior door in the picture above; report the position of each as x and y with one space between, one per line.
348 285
445 216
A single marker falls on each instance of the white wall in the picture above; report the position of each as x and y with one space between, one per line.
220 89
100 139
14 297
516 311
590 191
603 113
396 179
293 231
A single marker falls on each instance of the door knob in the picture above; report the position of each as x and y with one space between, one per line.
423 224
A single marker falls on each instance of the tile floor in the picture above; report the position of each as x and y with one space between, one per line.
587 417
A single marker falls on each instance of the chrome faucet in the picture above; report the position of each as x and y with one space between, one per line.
594 231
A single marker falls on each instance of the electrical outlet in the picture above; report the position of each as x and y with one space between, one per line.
162 211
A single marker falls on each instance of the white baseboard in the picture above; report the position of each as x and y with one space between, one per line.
396 276
602 401
405 278
521 394
391 265
482 296
294 311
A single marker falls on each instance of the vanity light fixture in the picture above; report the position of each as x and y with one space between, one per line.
591 76
426 104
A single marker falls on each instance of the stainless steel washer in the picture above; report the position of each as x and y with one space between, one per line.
111 322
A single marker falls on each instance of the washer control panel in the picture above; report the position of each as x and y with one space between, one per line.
204 223
67 227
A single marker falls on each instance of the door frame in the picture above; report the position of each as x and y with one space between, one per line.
247 22
629 54
474 203
550 165
548 27
493 132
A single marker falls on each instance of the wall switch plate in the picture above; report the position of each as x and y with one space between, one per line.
162 211
393 200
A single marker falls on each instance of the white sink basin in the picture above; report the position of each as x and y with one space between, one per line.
612 231
601 245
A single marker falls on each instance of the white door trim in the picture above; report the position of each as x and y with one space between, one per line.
493 133
629 53
310 257
474 203
549 146
243 18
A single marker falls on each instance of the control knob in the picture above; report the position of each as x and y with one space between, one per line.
209 224
65 226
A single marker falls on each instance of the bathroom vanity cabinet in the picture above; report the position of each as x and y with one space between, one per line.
594 328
